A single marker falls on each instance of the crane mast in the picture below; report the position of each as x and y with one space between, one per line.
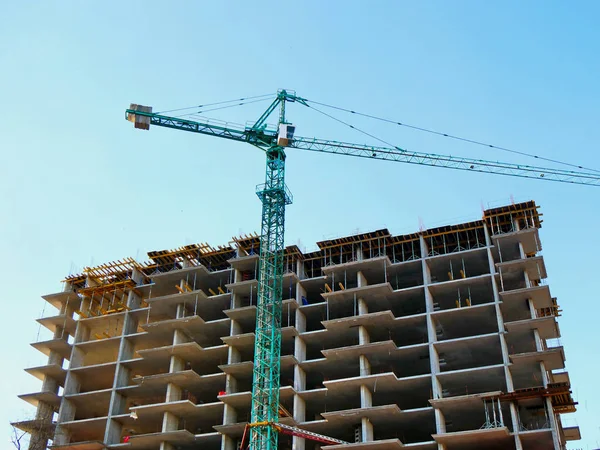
267 346
274 196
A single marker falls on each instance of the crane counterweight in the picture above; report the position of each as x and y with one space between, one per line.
141 122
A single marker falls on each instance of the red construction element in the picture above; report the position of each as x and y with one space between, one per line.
291 431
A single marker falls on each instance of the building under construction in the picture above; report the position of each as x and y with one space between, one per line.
445 339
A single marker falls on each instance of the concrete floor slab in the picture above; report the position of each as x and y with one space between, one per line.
58 299
553 358
86 445
539 295
53 371
547 326
534 267
65 322
48 397
153 440
60 346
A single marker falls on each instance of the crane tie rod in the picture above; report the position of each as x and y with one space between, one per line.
447 135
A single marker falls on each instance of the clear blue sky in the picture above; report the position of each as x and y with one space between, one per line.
80 186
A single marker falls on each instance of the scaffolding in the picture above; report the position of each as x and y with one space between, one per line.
507 219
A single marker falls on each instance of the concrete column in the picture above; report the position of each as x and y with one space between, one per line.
170 422
117 404
227 443
544 373
514 415
434 364
299 409
361 279
236 328
300 269
440 421
300 292
365 366
177 364
179 337
362 307
300 321
506 361
359 252
300 349
532 309
231 385
366 397
173 393
553 425
229 415
499 318
527 280
299 379
363 335
234 356
113 432
539 344
522 251
298 443
181 312
367 430
166 446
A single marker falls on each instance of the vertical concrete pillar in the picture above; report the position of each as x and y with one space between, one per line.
363 335
527 280
366 397
170 422
177 364
234 356
361 279
522 251
544 373
532 309
231 385
499 318
300 269
434 364
166 446
173 393
299 409
229 415
367 430
539 344
365 366
362 307
299 378
299 349
179 337
553 425
359 252
300 294
440 421
228 443
300 321
514 415
235 328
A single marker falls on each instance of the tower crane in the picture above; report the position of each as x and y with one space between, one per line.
275 195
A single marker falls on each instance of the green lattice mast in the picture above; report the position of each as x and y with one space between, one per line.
267 347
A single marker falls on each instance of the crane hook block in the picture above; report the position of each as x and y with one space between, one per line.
139 121
286 134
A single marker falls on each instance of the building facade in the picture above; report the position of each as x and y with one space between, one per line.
445 339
